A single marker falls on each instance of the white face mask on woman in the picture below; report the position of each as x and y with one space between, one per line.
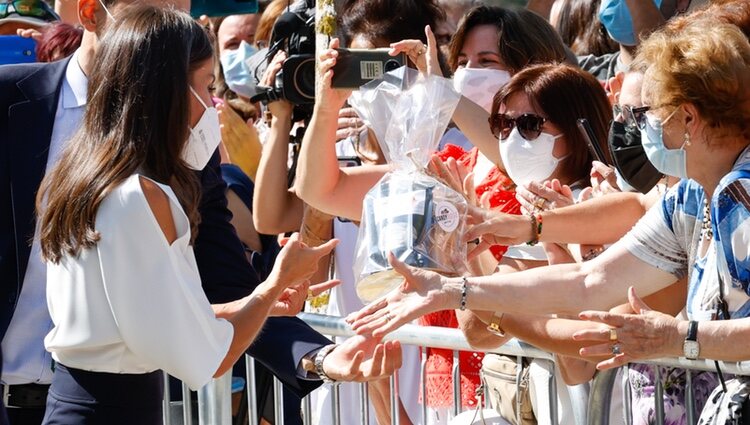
204 137
529 161
480 84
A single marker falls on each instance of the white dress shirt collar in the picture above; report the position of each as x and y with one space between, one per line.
74 91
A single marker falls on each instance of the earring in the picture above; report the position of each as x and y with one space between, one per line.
687 139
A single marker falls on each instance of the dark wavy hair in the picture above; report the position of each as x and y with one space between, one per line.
564 94
383 22
579 26
136 119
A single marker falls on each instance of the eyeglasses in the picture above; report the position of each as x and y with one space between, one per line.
529 125
28 8
632 116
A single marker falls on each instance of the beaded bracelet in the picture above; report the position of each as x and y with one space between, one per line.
536 228
464 291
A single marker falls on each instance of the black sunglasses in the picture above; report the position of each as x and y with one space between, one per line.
529 125
632 116
28 8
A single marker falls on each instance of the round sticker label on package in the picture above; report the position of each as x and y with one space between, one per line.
446 216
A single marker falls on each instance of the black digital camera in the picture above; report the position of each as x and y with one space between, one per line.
294 33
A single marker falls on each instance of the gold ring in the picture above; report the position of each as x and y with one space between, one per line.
612 334
310 294
539 203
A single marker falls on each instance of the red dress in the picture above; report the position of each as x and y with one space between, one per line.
439 385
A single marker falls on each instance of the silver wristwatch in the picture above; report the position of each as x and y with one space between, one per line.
691 349
319 357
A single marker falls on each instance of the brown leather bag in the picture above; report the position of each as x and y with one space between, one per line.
501 373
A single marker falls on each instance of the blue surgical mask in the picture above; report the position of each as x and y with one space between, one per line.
236 71
615 16
672 162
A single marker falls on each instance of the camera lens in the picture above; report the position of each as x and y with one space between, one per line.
391 65
304 79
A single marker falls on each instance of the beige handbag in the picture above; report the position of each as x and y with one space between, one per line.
508 388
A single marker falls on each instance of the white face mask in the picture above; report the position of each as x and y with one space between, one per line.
529 161
204 138
480 84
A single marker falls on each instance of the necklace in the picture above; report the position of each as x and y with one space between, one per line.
707 232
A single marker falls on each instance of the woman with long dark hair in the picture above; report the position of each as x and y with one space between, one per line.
117 219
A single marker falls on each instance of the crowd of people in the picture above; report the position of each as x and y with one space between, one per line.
167 207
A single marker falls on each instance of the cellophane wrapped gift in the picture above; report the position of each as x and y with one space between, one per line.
418 218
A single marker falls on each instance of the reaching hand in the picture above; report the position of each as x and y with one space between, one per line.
36 35
292 300
425 58
496 228
603 179
628 337
328 97
296 262
455 175
362 358
419 294
537 197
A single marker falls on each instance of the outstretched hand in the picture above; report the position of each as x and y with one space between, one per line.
292 300
363 358
419 294
645 335
495 228
296 263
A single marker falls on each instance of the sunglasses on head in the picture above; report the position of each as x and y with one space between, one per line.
28 8
528 125
632 116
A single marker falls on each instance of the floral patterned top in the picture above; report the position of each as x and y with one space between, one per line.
674 382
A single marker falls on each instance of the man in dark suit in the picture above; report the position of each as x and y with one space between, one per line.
42 105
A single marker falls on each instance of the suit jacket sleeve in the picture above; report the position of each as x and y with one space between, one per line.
226 275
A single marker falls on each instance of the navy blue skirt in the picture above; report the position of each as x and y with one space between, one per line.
82 397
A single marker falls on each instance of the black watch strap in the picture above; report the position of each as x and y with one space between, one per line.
692 331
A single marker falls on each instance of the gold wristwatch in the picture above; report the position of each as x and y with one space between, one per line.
494 325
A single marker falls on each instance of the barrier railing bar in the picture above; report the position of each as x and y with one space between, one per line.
395 411
336 405
187 405
553 392
689 397
215 401
167 413
278 401
599 395
436 337
658 396
423 382
306 411
519 375
456 376
579 397
252 392
364 403
627 408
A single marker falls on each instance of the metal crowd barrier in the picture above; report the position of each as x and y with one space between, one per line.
603 384
214 400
